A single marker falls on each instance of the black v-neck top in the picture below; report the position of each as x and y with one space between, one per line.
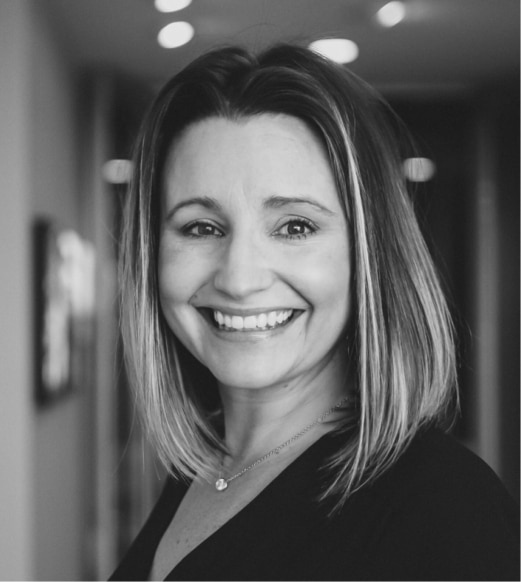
440 513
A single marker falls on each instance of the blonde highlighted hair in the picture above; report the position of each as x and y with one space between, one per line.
401 341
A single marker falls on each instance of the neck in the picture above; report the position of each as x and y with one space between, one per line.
257 420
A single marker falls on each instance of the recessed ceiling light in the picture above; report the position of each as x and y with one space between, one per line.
391 14
419 169
171 5
117 171
175 34
340 50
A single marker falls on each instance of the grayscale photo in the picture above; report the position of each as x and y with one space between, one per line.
260 293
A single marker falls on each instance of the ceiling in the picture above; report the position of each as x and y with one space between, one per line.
440 43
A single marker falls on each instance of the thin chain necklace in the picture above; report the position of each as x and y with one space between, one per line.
221 484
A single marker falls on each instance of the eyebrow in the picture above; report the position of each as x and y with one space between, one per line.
271 202
204 201
281 201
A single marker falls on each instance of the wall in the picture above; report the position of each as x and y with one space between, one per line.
470 214
16 544
58 459
500 192
47 453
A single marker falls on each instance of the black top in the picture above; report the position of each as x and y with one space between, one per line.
440 513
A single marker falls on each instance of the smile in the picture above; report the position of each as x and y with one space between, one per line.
259 322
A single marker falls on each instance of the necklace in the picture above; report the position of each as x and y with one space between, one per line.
221 484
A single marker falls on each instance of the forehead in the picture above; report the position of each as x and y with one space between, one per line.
256 153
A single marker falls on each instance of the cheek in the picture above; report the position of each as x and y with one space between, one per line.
338 271
326 280
328 291
175 276
176 288
181 274
167 280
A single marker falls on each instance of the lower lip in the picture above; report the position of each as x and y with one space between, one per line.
252 334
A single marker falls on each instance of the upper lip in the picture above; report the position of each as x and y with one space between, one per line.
246 312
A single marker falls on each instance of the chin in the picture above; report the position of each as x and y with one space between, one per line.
250 379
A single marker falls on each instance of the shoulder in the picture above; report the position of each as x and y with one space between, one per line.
438 463
438 478
447 509
436 466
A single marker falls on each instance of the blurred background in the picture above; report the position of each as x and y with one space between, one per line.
76 76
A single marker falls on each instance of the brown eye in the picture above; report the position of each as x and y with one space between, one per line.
296 229
205 230
202 230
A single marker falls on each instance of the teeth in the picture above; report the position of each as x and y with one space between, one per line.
262 321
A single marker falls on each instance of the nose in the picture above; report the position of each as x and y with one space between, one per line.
244 267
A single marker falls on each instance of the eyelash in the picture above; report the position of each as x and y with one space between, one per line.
301 221
189 227
312 229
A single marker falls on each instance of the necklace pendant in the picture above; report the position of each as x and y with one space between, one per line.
221 484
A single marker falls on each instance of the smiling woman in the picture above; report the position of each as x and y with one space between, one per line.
288 342
254 278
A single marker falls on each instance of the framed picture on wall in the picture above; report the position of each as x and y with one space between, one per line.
64 302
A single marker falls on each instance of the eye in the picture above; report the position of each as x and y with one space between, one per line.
202 229
296 228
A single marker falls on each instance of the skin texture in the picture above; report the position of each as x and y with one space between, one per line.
235 239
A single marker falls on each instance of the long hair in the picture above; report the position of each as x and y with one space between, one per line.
402 344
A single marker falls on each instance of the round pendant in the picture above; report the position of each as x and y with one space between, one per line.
221 484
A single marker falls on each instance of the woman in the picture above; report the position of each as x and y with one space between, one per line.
290 348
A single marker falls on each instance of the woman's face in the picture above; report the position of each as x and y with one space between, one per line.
254 261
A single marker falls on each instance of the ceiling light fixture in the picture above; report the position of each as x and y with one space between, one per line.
175 34
391 14
340 50
419 169
171 5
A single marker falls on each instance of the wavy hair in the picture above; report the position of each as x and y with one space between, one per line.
402 341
